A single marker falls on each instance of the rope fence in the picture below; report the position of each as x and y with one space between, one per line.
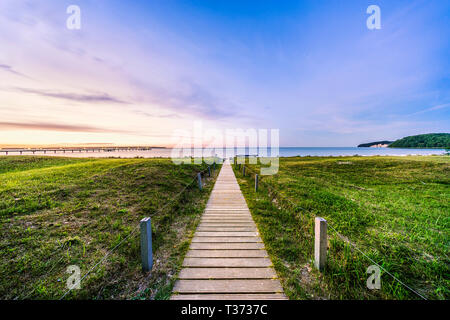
134 230
272 191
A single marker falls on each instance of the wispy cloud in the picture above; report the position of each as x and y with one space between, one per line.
156 115
10 69
438 107
51 127
188 98
91 98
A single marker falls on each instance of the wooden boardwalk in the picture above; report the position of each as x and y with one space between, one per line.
227 259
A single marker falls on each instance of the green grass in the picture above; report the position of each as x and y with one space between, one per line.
56 212
394 209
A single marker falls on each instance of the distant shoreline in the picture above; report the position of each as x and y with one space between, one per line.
207 152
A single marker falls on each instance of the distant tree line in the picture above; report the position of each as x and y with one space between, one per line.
430 140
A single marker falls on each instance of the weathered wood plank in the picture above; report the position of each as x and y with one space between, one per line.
248 296
230 220
227 262
227 254
227 246
227 273
226 239
225 234
228 224
228 286
222 228
227 209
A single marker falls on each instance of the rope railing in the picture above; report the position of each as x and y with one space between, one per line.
272 190
133 233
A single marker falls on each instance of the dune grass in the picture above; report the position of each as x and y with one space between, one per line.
56 212
394 209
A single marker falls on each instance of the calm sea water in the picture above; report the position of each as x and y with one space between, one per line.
283 152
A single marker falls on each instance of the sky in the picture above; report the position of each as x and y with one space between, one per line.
138 71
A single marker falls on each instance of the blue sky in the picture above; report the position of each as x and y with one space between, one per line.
138 70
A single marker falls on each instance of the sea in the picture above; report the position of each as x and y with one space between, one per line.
271 152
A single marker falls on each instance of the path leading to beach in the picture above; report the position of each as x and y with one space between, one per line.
227 259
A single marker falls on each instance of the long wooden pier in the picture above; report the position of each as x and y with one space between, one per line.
20 151
227 259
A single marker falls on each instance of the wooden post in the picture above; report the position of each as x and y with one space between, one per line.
243 170
146 244
209 171
256 182
199 178
320 243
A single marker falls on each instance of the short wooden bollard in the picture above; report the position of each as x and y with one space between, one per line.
320 243
243 171
209 171
256 182
199 178
239 166
146 244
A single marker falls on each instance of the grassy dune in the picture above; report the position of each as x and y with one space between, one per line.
395 209
56 212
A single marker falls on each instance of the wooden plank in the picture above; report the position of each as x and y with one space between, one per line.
227 246
227 209
222 228
248 296
228 217
227 254
227 262
225 218
228 286
226 239
242 216
227 273
227 214
225 234
228 224
219 215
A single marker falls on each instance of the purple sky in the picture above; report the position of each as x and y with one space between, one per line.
137 71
